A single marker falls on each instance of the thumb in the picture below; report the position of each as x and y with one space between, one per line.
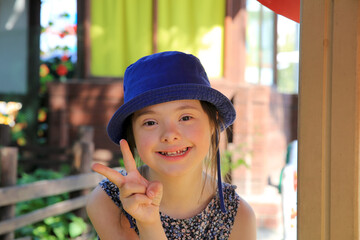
155 191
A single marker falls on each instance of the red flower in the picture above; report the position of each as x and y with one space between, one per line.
61 70
64 58
62 34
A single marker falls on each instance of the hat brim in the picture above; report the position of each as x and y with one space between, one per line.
115 128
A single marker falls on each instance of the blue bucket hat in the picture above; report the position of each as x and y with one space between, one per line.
164 77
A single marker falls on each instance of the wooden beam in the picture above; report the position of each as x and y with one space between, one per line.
83 39
8 177
45 188
31 103
345 118
38 215
83 158
328 196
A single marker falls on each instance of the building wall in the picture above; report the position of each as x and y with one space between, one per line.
74 104
266 123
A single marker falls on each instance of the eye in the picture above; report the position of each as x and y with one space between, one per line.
149 123
186 118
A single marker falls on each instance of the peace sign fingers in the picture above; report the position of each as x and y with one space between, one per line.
130 164
114 176
129 160
117 178
139 197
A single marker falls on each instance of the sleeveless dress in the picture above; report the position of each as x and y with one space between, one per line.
211 223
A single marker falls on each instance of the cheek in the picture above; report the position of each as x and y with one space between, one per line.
143 142
198 134
202 135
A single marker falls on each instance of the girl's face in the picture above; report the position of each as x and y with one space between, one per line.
173 138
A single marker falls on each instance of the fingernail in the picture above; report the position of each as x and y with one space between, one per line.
151 194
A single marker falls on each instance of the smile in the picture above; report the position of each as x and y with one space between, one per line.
174 154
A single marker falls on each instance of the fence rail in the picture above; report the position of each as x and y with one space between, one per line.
38 215
45 188
78 185
14 194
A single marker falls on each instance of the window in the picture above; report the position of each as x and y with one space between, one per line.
259 44
288 55
272 45
13 47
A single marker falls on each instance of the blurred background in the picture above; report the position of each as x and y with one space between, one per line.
61 69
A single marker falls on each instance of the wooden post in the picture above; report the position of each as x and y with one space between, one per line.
83 157
58 114
83 58
5 135
8 176
329 121
83 150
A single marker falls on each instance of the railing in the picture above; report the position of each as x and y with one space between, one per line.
10 193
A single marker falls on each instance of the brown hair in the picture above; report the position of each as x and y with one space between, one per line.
216 122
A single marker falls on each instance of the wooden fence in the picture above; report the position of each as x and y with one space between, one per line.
10 193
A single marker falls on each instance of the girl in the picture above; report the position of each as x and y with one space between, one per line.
172 118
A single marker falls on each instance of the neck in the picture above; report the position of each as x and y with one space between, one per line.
184 196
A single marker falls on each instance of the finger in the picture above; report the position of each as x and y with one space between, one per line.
155 192
114 176
132 203
129 160
131 188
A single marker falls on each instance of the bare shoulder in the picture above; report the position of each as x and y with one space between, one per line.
245 222
106 217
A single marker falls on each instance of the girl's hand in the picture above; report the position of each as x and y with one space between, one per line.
139 197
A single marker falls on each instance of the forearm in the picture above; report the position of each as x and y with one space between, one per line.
153 231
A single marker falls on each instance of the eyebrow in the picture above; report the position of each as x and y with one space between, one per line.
182 107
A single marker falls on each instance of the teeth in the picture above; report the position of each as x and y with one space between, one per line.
172 154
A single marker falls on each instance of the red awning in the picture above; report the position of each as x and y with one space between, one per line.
286 8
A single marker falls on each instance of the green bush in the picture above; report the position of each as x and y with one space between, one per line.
232 159
61 227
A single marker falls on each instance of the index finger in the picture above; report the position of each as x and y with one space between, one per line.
129 160
114 176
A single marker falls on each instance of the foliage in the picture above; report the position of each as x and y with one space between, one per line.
58 68
137 159
17 132
287 78
56 64
228 163
65 226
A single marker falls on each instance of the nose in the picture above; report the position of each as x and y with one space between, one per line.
170 132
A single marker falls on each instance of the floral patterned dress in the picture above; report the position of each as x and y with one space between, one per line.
211 223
